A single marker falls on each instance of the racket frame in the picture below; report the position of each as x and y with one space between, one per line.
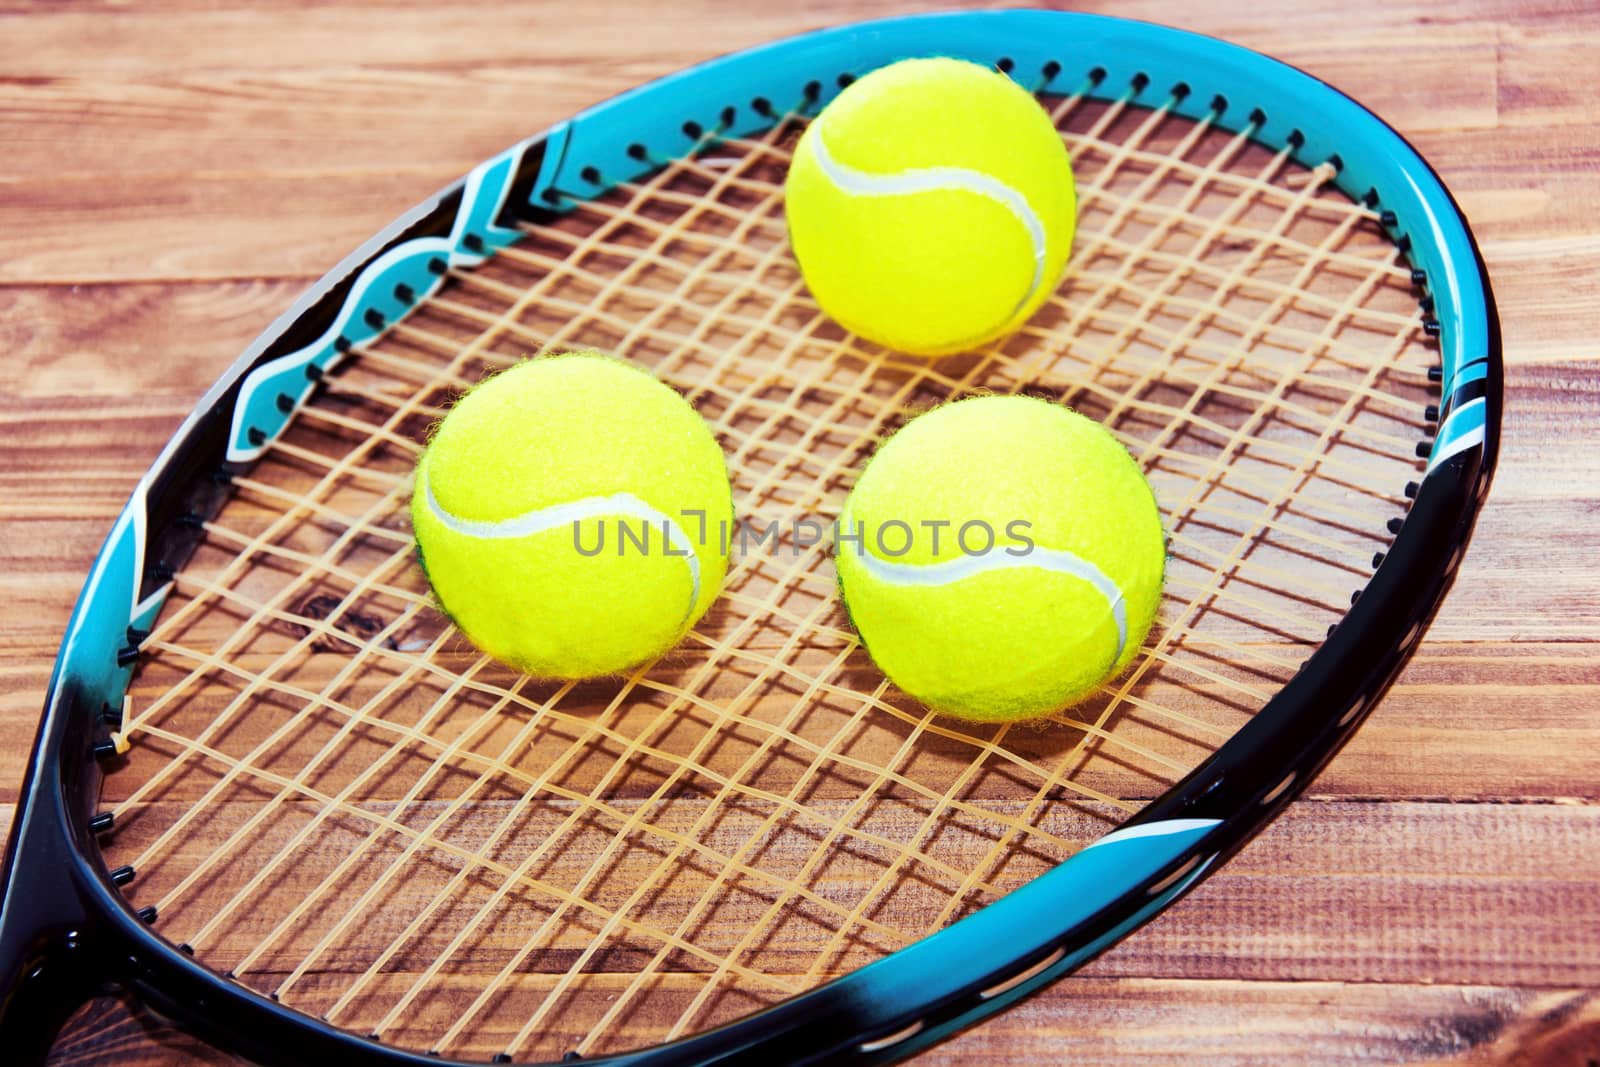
65 929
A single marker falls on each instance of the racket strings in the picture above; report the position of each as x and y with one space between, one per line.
332 797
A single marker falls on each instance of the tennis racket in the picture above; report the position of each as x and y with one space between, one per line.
279 799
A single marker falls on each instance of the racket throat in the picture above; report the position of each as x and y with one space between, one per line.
47 971
53 957
38 999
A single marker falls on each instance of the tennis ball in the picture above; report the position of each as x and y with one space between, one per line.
572 515
931 206
1001 557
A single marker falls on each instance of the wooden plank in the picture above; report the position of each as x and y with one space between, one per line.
334 119
211 223
1278 918
337 118
144 341
1517 183
21 705
1289 907
1309 1023
1238 14
71 462
1549 292
390 34
1521 182
67 477
1136 1023
170 338
1535 82
1465 721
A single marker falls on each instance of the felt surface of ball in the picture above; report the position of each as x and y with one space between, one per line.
1031 619
931 206
572 515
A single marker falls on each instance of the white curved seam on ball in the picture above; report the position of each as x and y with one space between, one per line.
1056 561
932 179
542 520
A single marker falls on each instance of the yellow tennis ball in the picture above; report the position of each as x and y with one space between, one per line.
572 514
931 206
1001 557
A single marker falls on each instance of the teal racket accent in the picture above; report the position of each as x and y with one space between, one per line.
384 291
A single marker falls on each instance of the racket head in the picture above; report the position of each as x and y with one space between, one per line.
57 881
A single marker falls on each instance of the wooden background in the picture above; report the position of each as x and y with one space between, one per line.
172 174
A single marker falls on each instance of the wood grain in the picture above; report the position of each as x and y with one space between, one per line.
1144 1020
175 172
